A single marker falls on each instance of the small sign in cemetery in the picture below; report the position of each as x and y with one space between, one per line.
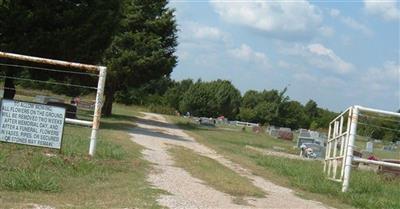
31 124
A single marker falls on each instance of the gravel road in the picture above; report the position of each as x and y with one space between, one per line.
156 134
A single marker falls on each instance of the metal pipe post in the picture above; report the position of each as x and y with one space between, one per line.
346 141
335 144
350 146
328 149
97 109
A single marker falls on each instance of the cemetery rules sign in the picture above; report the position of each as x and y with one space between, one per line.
31 124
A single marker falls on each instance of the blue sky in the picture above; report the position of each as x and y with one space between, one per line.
338 53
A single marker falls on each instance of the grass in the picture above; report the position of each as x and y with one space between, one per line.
214 174
367 190
114 178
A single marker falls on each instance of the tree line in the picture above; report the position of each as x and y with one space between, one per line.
221 98
268 107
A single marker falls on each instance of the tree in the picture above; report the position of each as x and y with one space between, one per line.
247 114
324 117
143 48
211 99
314 125
150 92
311 108
197 100
267 105
293 116
71 30
250 99
227 98
174 95
266 113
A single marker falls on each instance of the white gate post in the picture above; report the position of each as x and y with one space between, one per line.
97 109
350 146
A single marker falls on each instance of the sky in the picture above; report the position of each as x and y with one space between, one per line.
338 53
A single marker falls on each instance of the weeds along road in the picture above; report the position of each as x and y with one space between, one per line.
156 135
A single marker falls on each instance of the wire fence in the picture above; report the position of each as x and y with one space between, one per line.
47 93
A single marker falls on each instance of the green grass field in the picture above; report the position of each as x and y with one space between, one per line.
367 190
114 178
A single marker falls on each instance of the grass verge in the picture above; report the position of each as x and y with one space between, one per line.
114 178
367 189
214 174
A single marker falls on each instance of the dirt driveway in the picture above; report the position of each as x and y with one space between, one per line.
185 191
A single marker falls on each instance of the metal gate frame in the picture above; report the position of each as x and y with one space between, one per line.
340 145
95 124
335 154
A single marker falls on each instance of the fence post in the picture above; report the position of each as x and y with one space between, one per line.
97 109
350 146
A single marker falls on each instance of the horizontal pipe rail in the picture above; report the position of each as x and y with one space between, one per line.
361 160
334 158
48 61
335 179
78 122
337 137
384 112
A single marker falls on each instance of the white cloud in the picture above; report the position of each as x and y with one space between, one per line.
326 31
183 55
284 64
325 81
346 40
319 56
383 78
335 12
206 32
388 9
245 52
276 16
196 30
327 59
350 22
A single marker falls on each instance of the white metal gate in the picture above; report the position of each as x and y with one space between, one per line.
335 148
340 145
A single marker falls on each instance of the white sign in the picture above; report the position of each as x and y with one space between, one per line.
31 124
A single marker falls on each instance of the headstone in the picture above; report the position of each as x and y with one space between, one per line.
369 147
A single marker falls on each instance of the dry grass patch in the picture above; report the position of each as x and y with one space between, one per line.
214 174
